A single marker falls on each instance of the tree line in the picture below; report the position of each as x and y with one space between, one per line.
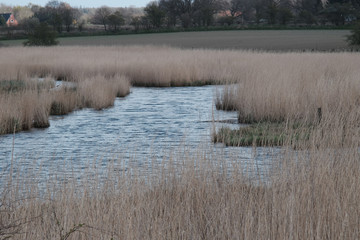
194 13
62 17
190 13
166 14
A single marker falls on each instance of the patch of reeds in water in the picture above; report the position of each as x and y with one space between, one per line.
28 103
99 92
24 104
263 134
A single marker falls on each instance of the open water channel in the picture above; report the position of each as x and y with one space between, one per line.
147 125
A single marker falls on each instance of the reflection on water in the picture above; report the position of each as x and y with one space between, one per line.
149 124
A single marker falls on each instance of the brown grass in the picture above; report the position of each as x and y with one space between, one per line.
24 110
278 87
307 194
225 98
144 66
271 86
28 106
98 92
65 100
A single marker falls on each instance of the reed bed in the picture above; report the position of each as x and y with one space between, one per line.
279 80
293 90
24 104
305 195
269 86
295 86
143 65
28 103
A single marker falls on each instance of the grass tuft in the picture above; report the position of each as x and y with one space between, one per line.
264 134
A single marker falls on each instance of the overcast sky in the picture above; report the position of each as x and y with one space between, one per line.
83 3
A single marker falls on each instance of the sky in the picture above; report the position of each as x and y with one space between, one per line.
83 3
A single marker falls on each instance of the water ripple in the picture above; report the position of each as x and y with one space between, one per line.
144 124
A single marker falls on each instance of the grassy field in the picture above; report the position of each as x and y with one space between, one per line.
278 40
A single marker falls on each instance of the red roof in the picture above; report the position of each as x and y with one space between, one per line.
227 13
9 19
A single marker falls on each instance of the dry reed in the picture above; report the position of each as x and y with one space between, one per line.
294 86
24 110
28 103
98 92
271 86
308 194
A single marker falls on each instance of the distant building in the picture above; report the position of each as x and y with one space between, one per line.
8 19
227 13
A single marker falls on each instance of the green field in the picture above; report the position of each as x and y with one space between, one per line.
279 40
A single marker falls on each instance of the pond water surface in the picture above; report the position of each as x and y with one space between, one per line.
146 125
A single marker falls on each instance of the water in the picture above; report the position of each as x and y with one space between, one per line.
148 124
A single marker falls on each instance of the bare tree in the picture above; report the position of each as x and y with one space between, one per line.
155 14
5 8
69 15
116 19
171 9
29 25
101 16
22 12
241 8
186 12
53 4
204 10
